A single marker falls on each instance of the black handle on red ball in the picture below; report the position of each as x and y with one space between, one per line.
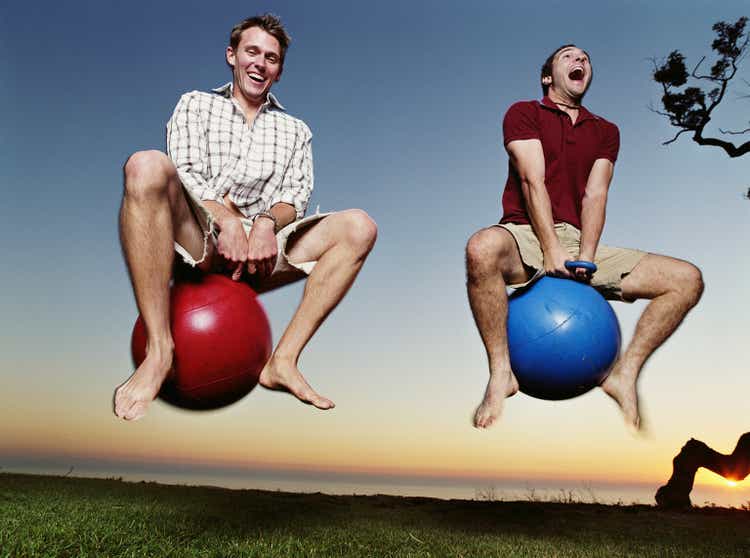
581 264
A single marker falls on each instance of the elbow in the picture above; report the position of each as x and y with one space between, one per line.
596 198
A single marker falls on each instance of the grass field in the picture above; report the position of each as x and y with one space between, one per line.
58 516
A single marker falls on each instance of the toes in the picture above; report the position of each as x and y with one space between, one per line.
136 412
121 403
483 419
484 423
323 403
309 396
126 407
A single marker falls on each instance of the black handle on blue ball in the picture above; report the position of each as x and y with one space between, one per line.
581 264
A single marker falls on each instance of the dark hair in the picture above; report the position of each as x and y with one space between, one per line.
547 66
270 23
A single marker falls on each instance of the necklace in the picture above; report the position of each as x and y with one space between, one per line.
572 107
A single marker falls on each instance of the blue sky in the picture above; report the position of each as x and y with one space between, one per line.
405 102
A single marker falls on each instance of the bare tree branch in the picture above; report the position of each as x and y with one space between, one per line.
731 149
675 138
745 131
652 109
696 76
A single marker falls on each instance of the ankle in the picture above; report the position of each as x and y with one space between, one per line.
625 371
500 372
162 350
283 358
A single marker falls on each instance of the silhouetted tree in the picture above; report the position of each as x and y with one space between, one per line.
690 109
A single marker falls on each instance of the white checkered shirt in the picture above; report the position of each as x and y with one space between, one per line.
217 153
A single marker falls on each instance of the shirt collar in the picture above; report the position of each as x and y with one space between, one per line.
583 113
226 91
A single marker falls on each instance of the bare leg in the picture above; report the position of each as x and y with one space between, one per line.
340 243
492 258
153 211
674 287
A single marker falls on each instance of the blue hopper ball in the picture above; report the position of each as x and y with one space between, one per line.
563 338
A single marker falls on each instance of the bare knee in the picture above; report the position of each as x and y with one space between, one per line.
361 231
689 282
149 173
487 252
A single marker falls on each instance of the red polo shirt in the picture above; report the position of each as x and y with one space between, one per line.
569 153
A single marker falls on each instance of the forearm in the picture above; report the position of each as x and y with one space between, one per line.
539 209
594 207
593 214
284 214
220 212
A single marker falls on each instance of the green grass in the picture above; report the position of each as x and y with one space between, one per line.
57 516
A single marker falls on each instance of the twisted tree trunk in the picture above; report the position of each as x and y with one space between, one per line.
696 454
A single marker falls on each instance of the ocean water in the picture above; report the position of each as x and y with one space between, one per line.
363 484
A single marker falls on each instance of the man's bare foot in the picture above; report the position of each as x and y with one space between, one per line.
499 388
283 375
131 399
624 390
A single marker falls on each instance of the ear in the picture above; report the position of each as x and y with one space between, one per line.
230 56
547 80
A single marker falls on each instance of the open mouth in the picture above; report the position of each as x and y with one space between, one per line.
257 78
577 74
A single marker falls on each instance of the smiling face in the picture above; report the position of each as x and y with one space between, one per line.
256 65
569 76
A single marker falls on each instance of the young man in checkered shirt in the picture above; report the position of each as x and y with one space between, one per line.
231 196
561 163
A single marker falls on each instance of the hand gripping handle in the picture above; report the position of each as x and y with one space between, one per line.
580 264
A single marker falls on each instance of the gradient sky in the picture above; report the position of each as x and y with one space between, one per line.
405 100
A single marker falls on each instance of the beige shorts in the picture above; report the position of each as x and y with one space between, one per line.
613 264
283 269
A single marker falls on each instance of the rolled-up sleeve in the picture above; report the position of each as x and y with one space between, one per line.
297 185
188 149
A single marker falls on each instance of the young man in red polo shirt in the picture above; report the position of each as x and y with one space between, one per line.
561 163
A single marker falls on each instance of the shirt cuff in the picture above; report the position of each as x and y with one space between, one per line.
298 205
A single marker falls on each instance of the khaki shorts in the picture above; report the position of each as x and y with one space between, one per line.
283 269
613 264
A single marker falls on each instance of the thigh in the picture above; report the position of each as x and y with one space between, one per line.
495 250
193 229
522 253
299 251
654 275
309 243
614 265
276 280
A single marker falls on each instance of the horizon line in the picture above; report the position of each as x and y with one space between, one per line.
143 465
